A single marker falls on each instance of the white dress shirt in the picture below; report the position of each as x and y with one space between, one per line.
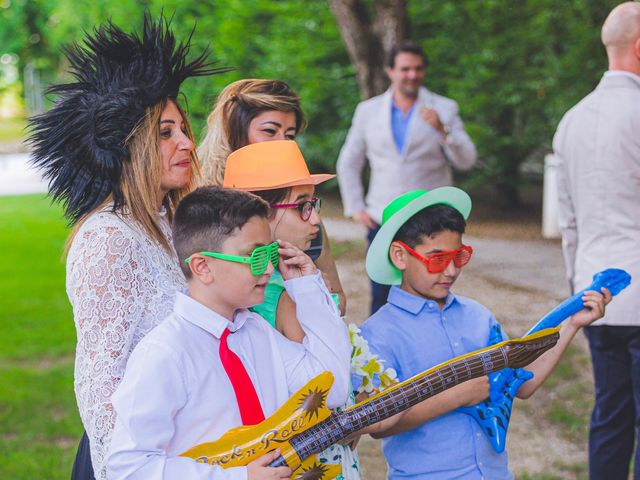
425 162
176 394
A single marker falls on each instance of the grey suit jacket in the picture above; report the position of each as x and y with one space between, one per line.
598 146
424 164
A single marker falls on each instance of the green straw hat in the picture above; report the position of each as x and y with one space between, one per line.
395 215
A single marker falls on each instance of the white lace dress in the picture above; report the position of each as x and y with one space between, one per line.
121 283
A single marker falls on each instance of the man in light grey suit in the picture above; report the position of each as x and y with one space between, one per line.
598 147
411 138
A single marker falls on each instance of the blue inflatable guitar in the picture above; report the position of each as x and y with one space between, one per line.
494 413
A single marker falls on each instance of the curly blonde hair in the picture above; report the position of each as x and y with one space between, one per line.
228 123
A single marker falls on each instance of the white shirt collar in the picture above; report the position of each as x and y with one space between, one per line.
205 318
622 73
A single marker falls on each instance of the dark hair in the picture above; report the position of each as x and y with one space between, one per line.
208 216
276 195
406 46
426 223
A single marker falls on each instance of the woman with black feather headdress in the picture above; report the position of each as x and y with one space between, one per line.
118 152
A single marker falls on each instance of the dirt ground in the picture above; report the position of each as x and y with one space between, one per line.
520 277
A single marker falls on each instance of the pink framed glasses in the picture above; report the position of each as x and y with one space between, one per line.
304 208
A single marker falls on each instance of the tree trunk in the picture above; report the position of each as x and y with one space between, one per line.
369 36
507 180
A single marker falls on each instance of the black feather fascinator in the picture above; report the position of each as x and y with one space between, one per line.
79 144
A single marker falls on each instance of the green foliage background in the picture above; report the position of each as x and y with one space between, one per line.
514 66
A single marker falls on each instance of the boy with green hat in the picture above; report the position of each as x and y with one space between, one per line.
419 251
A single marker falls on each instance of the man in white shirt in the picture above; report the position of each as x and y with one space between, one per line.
181 385
410 136
598 146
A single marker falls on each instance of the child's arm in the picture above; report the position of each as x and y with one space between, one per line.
326 342
467 393
293 263
286 321
327 264
594 303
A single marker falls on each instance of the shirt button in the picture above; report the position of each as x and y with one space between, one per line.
481 464
478 435
455 344
430 305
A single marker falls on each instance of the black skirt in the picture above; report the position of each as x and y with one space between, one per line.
82 467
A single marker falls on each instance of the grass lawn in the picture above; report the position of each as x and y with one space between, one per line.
39 424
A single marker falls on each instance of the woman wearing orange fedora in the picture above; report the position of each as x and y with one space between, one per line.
277 172
252 111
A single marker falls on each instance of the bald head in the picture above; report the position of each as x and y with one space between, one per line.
621 37
622 26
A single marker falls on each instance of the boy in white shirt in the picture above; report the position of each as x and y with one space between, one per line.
182 387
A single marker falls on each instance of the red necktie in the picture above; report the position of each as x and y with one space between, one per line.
248 402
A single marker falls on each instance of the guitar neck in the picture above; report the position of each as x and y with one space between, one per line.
397 399
421 387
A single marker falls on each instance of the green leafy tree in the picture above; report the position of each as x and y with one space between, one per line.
515 68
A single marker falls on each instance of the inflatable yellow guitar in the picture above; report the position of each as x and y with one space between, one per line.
304 426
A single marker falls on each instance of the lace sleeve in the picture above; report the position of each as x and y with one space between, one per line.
119 288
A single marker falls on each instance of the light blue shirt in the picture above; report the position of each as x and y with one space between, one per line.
411 334
400 125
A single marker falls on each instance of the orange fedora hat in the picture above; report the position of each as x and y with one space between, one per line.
269 165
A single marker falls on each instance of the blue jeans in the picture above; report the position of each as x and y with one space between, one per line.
615 353
379 292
